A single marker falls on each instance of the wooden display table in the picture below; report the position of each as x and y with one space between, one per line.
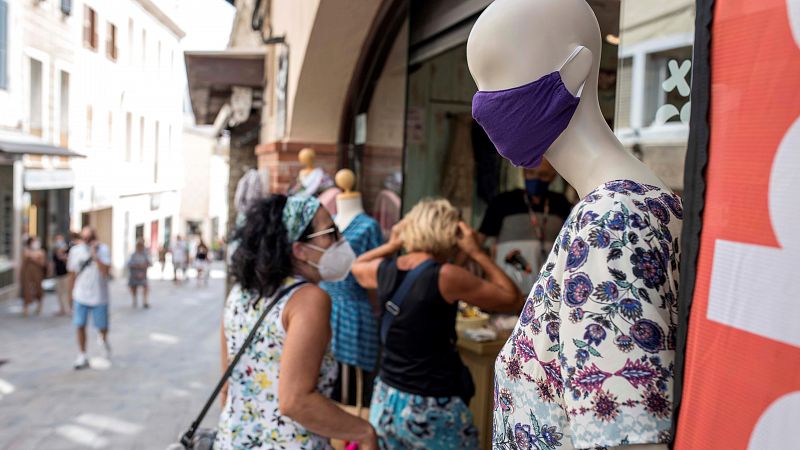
479 358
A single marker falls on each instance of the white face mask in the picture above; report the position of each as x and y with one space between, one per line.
336 260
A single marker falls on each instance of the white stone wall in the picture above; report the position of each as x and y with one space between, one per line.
146 81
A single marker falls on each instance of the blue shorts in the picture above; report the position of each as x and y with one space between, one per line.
99 315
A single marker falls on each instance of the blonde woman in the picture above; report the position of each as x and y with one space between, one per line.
421 395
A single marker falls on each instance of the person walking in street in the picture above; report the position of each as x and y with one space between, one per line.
162 257
278 394
138 264
201 263
180 258
421 396
89 263
60 249
34 268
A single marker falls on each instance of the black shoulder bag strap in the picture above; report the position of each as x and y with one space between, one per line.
186 439
393 306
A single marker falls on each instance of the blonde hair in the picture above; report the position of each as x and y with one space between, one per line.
431 227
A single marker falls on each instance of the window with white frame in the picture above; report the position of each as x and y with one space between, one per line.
35 98
141 139
63 109
128 136
90 28
668 78
130 42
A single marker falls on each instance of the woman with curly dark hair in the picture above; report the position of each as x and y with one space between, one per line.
277 395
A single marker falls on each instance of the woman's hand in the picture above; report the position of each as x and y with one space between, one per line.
369 441
468 240
395 238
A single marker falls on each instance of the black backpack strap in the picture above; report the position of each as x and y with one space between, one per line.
186 439
393 305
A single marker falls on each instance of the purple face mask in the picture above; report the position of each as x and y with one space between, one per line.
524 121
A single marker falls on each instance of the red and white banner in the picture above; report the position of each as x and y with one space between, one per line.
742 379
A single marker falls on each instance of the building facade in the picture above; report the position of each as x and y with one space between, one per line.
90 123
129 120
37 149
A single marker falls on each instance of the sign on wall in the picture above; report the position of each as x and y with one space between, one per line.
742 377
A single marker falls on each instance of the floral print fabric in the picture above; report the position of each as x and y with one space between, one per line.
251 418
590 362
409 421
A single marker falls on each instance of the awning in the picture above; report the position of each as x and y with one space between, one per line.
211 76
35 148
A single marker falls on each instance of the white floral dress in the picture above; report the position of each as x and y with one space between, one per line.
251 418
590 363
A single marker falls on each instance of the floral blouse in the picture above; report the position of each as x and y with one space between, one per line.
251 418
590 363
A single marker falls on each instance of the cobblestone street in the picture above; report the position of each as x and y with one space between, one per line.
165 361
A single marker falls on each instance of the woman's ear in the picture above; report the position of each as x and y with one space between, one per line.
299 251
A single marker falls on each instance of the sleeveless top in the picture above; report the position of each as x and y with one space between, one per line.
590 363
420 355
251 417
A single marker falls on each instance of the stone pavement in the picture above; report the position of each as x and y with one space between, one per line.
164 365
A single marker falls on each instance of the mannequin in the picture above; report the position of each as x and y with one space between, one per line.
348 203
311 180
306 158
513 43
353 325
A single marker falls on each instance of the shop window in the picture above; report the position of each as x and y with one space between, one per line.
6 212
193 227
623 103
90 28
167 230
35 98
111 42
667 86
139 234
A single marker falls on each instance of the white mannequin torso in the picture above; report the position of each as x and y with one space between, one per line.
347 208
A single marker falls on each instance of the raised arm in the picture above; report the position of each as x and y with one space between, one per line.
497 292
365 268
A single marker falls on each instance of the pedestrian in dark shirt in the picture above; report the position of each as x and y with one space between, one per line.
60 249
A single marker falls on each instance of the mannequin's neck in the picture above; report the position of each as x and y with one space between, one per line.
588 154
347 208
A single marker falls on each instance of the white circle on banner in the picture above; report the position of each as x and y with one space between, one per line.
793 11
777 427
